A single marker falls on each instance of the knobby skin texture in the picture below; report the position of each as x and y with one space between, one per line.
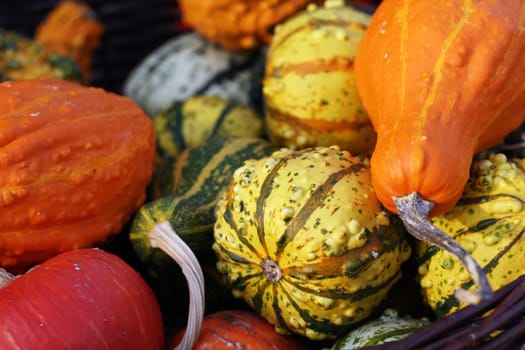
74 165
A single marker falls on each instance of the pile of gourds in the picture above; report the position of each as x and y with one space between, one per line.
279 175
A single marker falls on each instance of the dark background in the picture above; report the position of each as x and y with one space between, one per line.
133 28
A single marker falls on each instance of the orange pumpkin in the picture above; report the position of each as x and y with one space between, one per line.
72 29
441 80
74 165
239 25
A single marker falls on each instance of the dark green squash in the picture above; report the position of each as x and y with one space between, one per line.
197 178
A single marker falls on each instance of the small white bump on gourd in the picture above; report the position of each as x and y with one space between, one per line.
323 302
310 333
505 206
426 283
350 312
464 276
468 244
491 239
287 213
270 163
311 256
337 319
450 281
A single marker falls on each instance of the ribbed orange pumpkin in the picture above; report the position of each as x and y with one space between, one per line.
440 80
239 24
74 165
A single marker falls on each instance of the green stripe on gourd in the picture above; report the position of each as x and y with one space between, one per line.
198 175
192 122
389 327
198 178
488 222
302 238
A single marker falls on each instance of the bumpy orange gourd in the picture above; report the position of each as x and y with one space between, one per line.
74 165
239 24
72 29
441 80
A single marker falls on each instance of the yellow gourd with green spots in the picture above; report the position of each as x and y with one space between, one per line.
489 222
302 238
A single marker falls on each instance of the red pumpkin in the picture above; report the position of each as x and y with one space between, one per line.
240 329
80 299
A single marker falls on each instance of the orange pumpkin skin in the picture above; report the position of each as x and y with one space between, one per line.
240 329
72 29
74 165
239 24
441 81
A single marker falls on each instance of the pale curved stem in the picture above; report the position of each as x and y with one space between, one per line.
413 211
5 278
164 237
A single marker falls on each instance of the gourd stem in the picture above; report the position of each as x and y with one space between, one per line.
164 237
413 211
5 278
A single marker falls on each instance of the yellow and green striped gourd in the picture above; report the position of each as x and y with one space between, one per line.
489 222
302 238
309 88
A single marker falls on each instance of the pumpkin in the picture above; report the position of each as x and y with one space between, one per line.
441 81
192 122
303 240
23 58
388 327
240 329
488 223
75 162
238 24
73 30
80 299
310 93
188 65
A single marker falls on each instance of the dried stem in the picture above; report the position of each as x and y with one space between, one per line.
5 278
164 237
413 211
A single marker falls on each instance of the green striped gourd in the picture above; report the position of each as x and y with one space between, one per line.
309 88
23 58
488 222
302 238
193 121
188 65
199 176
389 327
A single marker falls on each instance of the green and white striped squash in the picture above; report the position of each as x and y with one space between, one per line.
189 65
302 238
192 122
488 221
198 178
309 88
389 327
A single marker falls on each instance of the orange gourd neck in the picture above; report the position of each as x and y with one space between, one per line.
440 81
